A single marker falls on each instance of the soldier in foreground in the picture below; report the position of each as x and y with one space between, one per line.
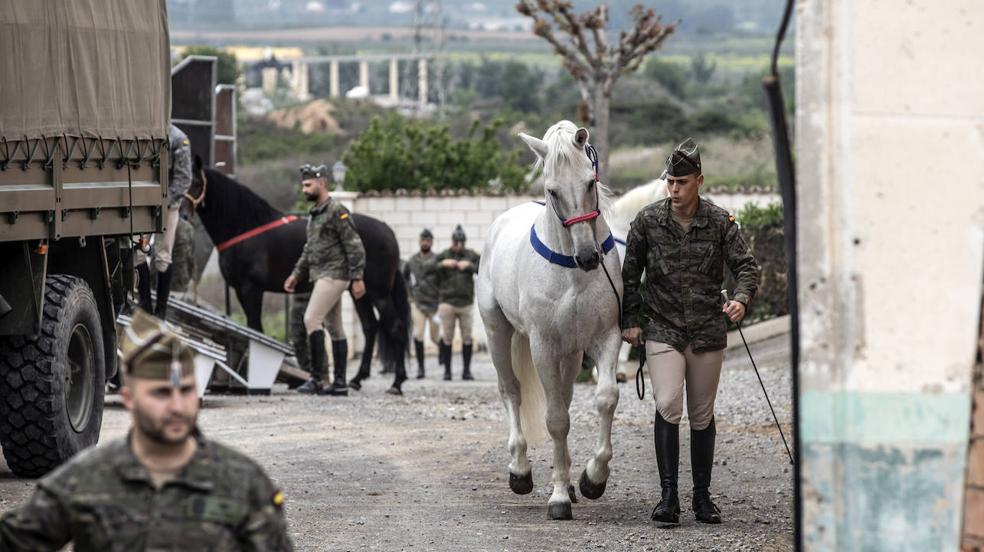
683 243
333 259
456 268
164 486
419 273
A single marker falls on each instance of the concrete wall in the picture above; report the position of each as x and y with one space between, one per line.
890 161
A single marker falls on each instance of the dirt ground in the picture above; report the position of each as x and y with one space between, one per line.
427 471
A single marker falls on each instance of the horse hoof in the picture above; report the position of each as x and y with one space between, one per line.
589 489
572 494
560 510
355 384
394 391
521 484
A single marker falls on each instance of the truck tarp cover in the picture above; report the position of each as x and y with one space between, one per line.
84 68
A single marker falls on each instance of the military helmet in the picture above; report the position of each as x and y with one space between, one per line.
458 235
150 351
685 159
426 234
309 171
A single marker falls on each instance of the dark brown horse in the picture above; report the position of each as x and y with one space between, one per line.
262 262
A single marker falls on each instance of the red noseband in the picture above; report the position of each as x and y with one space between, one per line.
581 218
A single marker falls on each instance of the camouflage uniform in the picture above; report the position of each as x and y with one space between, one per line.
105 499
333 248
421 272
183 256
456 287
684 273
333 256
456 292
682 321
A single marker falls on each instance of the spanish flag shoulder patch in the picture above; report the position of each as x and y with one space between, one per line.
731 218
185 142
278 499
343 216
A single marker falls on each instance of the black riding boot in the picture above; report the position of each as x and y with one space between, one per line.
444 355
419 350
143 288
701 461
339 354
466 352
316 345
163 292
666 437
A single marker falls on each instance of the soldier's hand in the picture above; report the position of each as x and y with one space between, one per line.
632 336
735 310
449 263
358 289
464 265
290 283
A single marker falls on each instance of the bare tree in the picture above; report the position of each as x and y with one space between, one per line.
595 68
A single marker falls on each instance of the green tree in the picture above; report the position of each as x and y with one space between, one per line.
671 75
227 66
415 154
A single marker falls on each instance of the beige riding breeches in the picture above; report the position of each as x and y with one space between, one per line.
449 314
670 369
163 243
423 320
325 296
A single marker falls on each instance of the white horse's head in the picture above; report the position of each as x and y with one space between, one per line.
571 189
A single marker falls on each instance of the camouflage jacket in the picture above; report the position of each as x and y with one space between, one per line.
333 248
420 273
103 500
456 287
179 173
684 275
183 256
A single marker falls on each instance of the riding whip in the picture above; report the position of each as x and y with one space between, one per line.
724 293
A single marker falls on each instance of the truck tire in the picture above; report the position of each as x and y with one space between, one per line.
52 384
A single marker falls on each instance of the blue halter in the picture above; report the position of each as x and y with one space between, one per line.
565 261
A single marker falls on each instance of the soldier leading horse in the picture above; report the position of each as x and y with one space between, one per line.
258 247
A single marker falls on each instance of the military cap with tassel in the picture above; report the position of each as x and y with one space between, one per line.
150 351
685 159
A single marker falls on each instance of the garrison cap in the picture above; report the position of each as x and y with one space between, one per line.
426 233
685 159
151 351
458 235
309 171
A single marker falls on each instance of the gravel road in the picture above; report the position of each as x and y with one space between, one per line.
428 471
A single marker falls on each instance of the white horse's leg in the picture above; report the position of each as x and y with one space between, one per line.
499 333
595 475
558 377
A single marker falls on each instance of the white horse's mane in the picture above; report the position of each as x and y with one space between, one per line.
563 151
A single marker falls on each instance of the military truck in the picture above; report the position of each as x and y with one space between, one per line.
84 105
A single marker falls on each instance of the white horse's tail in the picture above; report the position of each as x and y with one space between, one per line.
533 402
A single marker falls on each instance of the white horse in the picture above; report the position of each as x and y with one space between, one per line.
545 304
625 209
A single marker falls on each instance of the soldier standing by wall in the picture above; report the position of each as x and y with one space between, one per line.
164 486
683 243
419 272
179 180
456 268
333 259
